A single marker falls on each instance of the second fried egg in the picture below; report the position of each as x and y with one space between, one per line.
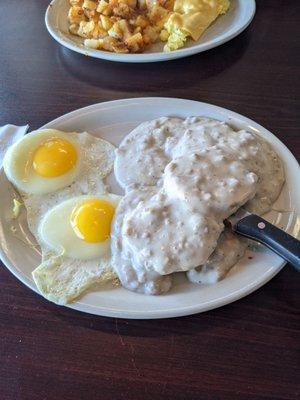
74 237
79 227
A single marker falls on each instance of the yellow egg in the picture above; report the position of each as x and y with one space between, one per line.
54 157
80 227
60 177
92 219
74 237
48 160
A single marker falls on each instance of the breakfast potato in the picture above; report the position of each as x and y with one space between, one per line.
76 15
135 43
119 26
89 5
76 2
106 22
103 8
151 34
141 21
86 29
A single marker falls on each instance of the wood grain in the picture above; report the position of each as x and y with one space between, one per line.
246 350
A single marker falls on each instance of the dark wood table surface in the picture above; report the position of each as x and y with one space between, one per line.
246 350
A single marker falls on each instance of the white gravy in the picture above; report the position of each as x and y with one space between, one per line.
182 179
230 249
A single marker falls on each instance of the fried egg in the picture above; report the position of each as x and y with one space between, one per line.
47 160
74 237
61 180
80 227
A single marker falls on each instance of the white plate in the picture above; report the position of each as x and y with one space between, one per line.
111 121
225 28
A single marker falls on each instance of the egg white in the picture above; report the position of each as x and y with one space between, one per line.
56 232
95 156
70 265
61 278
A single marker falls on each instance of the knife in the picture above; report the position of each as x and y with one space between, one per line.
254 227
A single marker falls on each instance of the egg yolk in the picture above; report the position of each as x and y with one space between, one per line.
55 157
91 220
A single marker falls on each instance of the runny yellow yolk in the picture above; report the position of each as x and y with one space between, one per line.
92 219
55 157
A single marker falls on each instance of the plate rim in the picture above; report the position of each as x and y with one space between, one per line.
148 57
167 313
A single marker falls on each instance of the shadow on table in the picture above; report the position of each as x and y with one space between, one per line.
175 74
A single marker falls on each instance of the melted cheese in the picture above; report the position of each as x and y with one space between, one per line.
195 16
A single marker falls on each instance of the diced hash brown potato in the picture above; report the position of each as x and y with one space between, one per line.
157 14
103 8
151 33
76 2
76 15
141 21
121 26
89 5
135 42
93 43
106 22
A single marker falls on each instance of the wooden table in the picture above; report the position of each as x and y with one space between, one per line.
246 350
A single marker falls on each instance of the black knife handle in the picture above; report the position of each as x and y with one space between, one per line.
256 228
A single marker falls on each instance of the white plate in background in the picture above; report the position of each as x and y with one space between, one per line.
225 28
112 121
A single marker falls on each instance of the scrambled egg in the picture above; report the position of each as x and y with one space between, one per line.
191 18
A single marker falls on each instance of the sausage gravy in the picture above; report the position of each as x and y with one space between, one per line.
182 178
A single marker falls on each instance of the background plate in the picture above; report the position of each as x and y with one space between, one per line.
225 28
112 121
